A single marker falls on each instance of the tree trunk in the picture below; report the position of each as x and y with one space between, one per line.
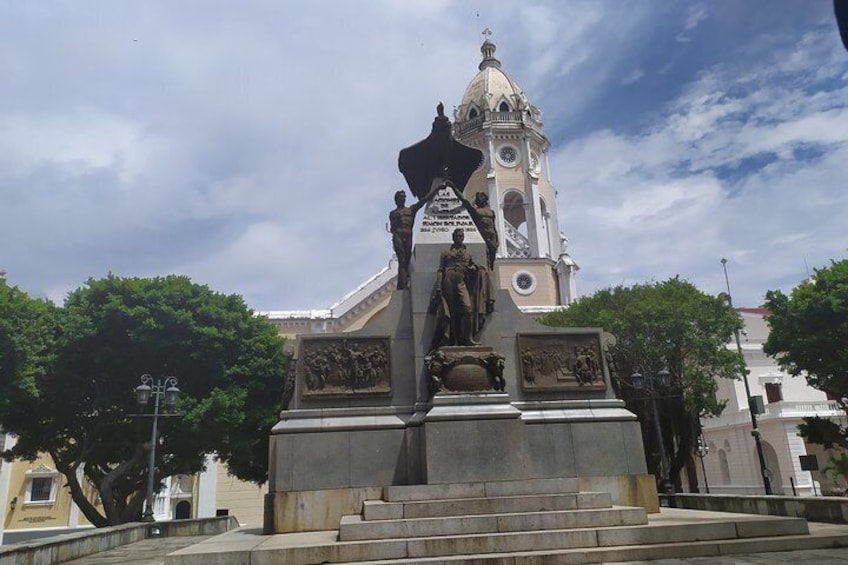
77 495
111 507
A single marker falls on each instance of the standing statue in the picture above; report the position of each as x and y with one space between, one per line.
462 296
401 221
484 218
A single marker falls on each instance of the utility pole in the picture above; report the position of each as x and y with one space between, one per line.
764 471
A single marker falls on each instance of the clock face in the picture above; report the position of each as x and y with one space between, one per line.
508 155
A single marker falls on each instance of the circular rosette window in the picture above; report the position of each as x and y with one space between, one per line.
524 282
508 155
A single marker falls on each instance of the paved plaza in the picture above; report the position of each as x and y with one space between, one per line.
148 552
812 556
153 552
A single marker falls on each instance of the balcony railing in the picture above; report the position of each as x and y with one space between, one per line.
776 410
519 117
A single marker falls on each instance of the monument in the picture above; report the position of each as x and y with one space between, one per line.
450 383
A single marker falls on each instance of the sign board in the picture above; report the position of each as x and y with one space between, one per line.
809 462
756 405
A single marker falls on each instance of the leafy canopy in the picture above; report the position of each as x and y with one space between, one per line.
27 333
808 333
671 325
808 330
229 363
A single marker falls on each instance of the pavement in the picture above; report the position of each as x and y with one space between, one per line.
811 556
148 552
153 552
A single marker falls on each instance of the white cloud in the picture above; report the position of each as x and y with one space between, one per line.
632 77
254 146
694 17
661 193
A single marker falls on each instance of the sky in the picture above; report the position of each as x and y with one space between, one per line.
253 145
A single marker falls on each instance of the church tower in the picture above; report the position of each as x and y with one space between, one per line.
496 117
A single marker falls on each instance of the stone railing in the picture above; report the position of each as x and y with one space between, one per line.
463 127
520 242
833 509
66 547
782 409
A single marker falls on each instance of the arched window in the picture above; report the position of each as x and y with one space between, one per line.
513 210
472 113
503 107
183 510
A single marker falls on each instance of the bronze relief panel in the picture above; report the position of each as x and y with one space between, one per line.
561 362
345 366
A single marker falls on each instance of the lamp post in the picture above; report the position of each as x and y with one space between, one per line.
165 387
702 450
651 382
764 471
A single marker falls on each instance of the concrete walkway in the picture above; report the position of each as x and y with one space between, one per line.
147 552
811 556
153 552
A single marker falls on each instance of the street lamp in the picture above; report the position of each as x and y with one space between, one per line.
764 471
165 388
703 450
651 383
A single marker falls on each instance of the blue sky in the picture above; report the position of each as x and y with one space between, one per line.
253 145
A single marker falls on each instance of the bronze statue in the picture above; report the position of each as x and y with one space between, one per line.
462 296
436 156
484 218
401 221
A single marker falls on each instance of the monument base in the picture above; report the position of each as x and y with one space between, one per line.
320 510
474 437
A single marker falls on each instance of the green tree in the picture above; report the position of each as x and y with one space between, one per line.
27 333
667 325
230 367
808 330
808 333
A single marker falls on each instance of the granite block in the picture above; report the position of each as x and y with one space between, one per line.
320 460
377 457
644 535
476 450
599 448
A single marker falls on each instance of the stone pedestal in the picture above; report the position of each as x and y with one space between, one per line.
527 402
474 437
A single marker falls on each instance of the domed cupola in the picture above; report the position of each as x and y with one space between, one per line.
493 90
496 117
488 49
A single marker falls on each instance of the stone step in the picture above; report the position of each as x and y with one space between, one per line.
382 510
355 528
628 554
531 543
673 533
480 489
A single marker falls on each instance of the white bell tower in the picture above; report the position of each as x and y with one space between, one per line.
496 117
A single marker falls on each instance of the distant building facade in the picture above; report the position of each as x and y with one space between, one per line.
35 503
732 464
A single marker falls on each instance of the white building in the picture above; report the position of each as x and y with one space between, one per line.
732 464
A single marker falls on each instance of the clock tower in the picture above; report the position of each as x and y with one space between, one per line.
496 117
